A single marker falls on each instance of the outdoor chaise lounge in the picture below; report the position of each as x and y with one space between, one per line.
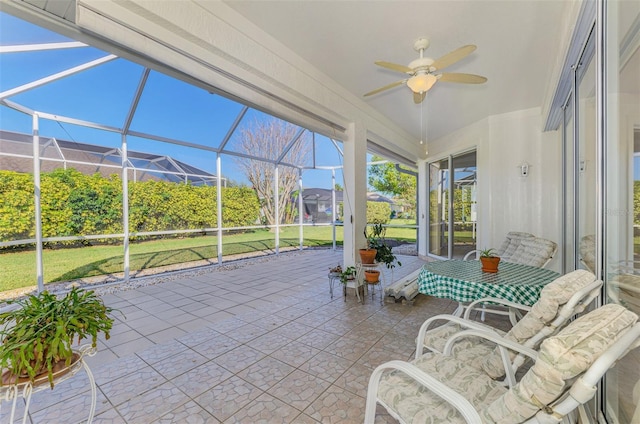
440 388
560 300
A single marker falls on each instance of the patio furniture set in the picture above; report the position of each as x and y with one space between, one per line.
466 371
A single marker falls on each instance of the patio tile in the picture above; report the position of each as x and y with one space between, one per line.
216 346
292 355
128 386
337 406
153 404
304 419
348 348
326 366
295 353
265 409
247 332
299 389
355 379
269 343
69 410
239 358
202 378
110 416
318 338
175 365
293 330
158 352
132 347
189 412
266 372
227 398
124 366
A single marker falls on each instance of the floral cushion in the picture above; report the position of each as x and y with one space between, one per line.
533 251
552 297
511 243
561 359
404 397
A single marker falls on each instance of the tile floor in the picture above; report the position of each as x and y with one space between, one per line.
259 341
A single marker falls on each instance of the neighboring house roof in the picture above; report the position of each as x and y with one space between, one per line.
16 154
324 194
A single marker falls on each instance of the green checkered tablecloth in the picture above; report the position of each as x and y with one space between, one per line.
464 281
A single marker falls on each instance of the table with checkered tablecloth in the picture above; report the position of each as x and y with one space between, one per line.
464 281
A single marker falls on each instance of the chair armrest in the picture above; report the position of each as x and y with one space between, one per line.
503 344
492 337
497 301
455 399
466 257
467 324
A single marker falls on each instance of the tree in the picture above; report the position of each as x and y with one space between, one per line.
385 178
268 139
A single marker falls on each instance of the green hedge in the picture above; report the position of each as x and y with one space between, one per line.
77 204
378 213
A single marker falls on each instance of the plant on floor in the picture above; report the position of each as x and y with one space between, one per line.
348 274
37 336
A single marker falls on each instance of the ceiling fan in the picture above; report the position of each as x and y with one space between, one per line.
422 71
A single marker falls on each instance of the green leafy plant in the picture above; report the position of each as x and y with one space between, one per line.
376 240
40 333
488 253
349 273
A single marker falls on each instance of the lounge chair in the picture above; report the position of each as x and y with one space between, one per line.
559 301
439 388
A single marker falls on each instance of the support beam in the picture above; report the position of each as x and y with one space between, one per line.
423 207
38 206
355 191
219 205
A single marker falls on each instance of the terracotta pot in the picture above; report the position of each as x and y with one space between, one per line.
59 369
368 256
490 264
372 275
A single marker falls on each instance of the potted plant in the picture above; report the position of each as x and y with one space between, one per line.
335 271
347 275
368 254
384 254
489 260
371 276
37 337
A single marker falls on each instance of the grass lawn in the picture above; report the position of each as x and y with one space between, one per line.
19 268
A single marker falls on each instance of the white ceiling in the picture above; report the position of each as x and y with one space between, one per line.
517 40
518 47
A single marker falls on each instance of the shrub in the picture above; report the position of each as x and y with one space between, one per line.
378 212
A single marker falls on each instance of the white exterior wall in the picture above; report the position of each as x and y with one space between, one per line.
507 201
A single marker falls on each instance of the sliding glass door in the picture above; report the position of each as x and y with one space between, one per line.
452 206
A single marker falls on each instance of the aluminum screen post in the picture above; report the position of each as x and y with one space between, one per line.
38 206
219 205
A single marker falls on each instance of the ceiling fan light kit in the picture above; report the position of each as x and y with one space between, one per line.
421 83
422 70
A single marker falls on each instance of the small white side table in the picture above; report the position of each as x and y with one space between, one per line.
26 389
361 268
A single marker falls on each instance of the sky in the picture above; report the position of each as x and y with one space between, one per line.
103 94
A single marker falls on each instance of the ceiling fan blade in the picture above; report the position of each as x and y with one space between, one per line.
386 87
419 97
395 67
454 56
463 78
